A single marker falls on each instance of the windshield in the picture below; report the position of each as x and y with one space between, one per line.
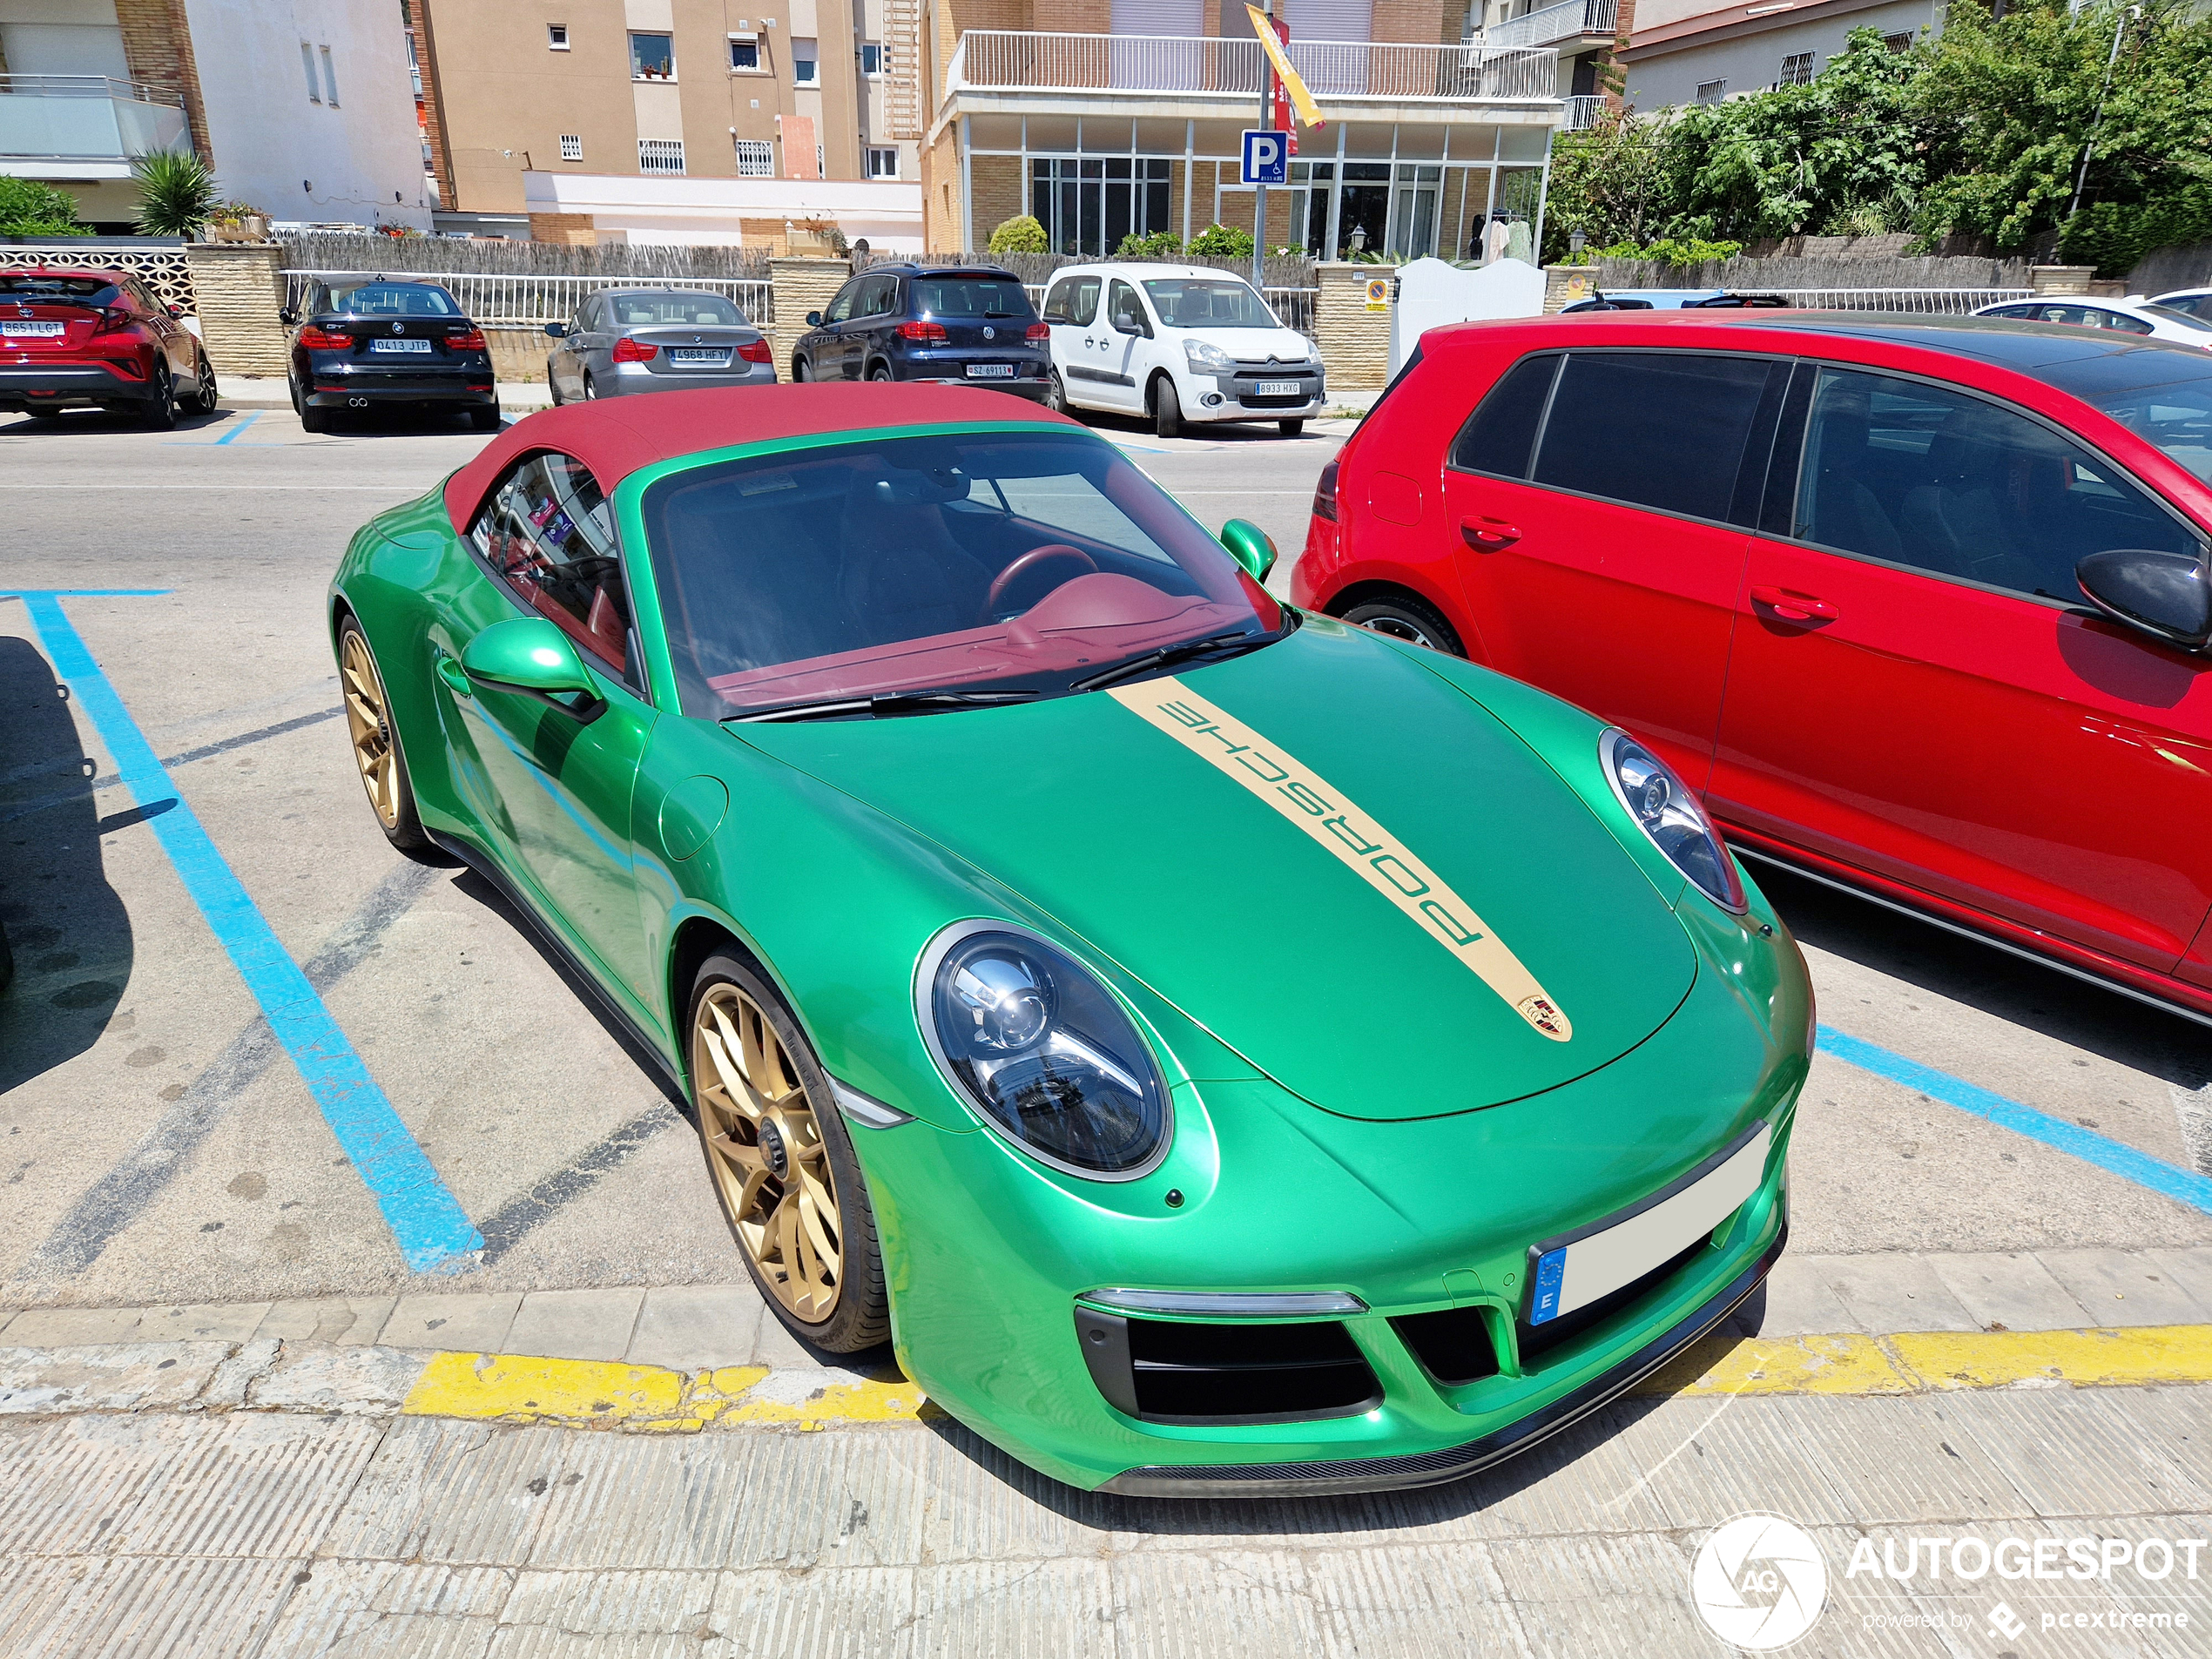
2176 416
641 310
1011 562
1209 302
394 299
91 290
970 297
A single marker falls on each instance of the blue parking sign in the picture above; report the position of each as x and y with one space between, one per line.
1267 158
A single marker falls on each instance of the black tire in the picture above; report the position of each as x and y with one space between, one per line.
880 372
552 384
801 371
1402 616
1167 410
45 415
862 1316
1290 429
159 413
484 420
406 834
205 400
590 388
1055 395
313 419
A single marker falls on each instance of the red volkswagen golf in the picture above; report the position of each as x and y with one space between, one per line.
1916 605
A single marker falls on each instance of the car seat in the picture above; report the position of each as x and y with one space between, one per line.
903 577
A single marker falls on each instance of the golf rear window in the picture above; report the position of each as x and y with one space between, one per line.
991 297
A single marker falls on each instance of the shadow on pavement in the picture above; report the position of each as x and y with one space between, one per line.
79 422
2009 987
69 930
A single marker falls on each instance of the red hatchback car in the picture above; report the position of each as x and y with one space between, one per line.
1917 605
73 338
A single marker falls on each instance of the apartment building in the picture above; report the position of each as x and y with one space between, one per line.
660 90
1109 117
1688 52
302 110
1585 33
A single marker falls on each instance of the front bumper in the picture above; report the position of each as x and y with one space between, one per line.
1232 397
48 386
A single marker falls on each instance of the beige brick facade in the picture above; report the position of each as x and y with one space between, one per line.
157 46
801 286
997 184
1355 341
239 294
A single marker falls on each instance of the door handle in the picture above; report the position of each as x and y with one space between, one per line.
454 676
1488 534
1794 607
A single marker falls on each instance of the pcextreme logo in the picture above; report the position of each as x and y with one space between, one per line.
1326 813
1758 1582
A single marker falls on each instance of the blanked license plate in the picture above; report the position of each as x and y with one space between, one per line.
715 357
408 346
990 371
1574 1272
1278 389
33 330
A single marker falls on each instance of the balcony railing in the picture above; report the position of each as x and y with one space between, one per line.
1582 112
1552 25
86 118
1009 60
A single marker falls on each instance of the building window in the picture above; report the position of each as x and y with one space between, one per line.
307 67
1898 42
660 155
821 166
884 163
744 54
652 58
870 57
557 36
1711 91
1088 204
756 158
329 79
806 64
1797 70
571 146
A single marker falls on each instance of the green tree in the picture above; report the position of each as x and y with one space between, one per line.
1019 235
29 208
177 192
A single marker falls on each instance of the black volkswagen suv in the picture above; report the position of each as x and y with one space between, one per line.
365 343
973 324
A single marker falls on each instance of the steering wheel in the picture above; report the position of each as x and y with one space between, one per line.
1021 566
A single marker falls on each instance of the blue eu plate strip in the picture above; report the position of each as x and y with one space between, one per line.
427 1223
1551 1270
2184 1186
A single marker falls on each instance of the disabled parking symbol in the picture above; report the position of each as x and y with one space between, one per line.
1267 156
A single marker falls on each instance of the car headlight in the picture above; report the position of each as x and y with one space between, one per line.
1043 1050
1670 814
1208 360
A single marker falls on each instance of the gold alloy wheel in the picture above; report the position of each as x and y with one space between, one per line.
766 1153
372 729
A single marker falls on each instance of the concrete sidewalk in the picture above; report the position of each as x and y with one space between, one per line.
270 392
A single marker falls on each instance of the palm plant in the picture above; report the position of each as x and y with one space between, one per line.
177 193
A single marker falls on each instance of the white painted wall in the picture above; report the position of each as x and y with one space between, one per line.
300 158
1432 294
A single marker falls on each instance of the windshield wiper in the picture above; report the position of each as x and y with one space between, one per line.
883 703
1170 654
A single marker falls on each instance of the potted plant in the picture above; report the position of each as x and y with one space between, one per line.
239 221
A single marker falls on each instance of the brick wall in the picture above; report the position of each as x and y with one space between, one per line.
1068 17
157 46
1416 20
240 294
1355 341
997 183
801 286
426 58
564 230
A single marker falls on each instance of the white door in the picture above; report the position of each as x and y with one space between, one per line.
1071 312
1122 359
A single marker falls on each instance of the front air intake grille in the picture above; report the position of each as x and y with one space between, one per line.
1170 1371
1453 1344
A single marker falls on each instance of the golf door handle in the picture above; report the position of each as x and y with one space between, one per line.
1488 534
1791 606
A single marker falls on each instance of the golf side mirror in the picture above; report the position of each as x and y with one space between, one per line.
813 319
557 331
529 655
1250 546
2162 594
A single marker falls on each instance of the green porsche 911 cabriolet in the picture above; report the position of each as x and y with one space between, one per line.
1224 1050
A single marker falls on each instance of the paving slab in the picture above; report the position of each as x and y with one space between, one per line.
692 1325
74 1327
1796 1301
466 1322
1014 1607
389 1610
1896 1291
2121 1287
326 1318
1166 1605
2010 1290
2190 1268
575 1325
1900 1460
260 1485
354 1381
2072 1452
107 1377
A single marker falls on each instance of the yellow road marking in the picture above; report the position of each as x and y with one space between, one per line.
1834 1365
1324 812
523 1388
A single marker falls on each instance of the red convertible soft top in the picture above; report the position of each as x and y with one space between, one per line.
616 438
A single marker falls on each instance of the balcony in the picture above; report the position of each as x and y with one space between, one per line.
1337 72
83 126
1569 20
1582 112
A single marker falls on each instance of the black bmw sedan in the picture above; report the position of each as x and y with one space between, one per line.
364 343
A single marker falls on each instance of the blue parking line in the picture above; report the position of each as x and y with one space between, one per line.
2183 1186
231 436
427 1223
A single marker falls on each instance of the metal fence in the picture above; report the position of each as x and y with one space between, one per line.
1947 302
1023 59
1549 25
523 299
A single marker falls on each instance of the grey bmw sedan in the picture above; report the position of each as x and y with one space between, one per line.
623 340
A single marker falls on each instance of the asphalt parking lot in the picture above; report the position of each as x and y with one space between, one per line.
1974 1120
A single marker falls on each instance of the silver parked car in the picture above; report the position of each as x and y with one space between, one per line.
655 339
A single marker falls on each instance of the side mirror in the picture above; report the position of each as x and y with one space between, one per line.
1126 325
529 655
176 312
288 317
2163 594
1250 546
813 319
556 330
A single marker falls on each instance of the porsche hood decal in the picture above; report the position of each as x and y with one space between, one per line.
1326 814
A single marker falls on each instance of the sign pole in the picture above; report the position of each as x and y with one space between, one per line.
1266 120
